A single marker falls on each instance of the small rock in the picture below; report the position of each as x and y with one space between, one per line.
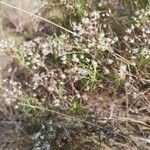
5 65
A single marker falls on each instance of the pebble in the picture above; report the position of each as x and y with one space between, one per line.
5 66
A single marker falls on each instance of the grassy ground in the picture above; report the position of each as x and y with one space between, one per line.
74 75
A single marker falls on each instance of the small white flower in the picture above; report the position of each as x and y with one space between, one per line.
107 14
132 27
104 25
133 63
82 72
135 95
94 63
16 106
30 53
27 63
64 59
106 71
109 10
133 57
132 41
74 58
63 76
82 56
148 31
87 50
42 137
88 60
8 101
126 38
110 61
45 51
78 95
143 29
95 14
146 52
144 35
85 20
137 12
100 4
36 136
135 50
128 30
116 39
56 103
43 126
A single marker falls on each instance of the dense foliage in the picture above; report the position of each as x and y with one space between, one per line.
74 74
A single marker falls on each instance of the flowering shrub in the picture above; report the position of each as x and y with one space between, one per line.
88 83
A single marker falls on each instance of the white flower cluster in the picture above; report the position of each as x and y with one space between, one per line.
3 45
140 36
145 52
90 31
105 43
30 54
11 91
